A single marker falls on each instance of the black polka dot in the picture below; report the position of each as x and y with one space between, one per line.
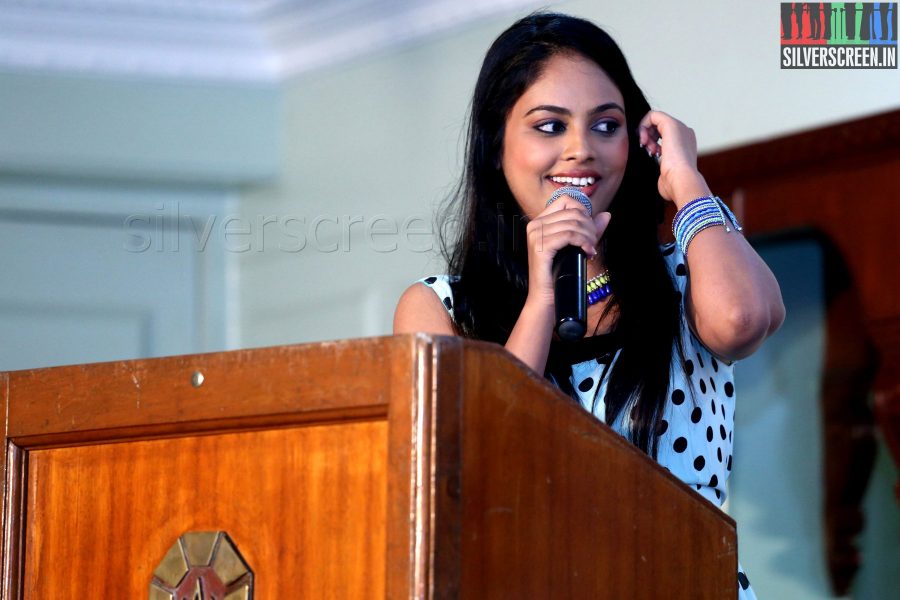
697 485
681 270
669 250
742 579
715 364
718 494
730 434
448 303
680 445
713 481
702 386
677 296
728 464
586 385
662 427
700 360
722 431
712 404
709 434
677 397
689 367
729 389
430 280
723 411
719 454
699 463
696 414
712 383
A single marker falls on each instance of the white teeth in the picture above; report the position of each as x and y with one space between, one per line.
579 181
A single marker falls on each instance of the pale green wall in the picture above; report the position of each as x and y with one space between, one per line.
135 129
381 135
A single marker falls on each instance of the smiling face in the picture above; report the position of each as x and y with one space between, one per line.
568 128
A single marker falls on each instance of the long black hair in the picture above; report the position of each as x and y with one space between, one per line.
488 248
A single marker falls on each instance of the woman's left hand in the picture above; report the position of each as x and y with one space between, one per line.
675 146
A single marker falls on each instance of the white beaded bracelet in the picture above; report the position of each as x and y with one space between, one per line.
699 214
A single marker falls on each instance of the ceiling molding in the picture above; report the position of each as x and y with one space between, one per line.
264 41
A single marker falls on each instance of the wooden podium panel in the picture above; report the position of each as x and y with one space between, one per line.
402 467
576 496
305 505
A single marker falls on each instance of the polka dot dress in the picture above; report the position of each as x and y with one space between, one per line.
697 430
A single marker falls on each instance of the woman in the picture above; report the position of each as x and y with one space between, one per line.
555 105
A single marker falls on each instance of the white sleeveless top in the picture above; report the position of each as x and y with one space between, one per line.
696 433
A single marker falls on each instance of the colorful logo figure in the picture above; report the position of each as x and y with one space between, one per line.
838 22
854 24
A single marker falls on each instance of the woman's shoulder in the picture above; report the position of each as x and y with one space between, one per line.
442 286
426 305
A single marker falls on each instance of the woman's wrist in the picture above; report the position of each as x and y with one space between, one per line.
538 307
690 187
530 337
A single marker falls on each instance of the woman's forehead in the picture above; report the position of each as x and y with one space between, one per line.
570 81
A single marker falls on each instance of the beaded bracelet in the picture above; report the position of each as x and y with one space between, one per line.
699 214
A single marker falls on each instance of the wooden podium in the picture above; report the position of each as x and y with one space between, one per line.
400 467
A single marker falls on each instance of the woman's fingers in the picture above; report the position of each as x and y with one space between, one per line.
601 222
658 128
551 236
674 145
649 135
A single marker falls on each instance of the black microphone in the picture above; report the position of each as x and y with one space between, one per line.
570 279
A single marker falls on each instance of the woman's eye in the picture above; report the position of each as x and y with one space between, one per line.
550 127
607 127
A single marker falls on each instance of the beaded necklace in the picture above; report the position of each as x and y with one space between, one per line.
598 288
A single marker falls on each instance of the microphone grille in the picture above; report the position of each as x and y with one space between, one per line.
574 193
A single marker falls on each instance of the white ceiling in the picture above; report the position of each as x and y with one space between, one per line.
237 40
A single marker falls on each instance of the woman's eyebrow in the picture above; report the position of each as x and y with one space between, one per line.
565 111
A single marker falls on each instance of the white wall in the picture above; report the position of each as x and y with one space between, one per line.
715 65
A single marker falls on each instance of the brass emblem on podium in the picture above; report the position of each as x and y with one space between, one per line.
202 565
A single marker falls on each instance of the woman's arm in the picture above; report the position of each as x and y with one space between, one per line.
419 309
733 302
561 224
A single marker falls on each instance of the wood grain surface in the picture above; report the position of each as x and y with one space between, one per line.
433 468
544 483
305 506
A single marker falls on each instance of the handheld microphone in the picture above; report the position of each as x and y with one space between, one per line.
570 279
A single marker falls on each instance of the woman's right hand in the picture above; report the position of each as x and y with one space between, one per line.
563 223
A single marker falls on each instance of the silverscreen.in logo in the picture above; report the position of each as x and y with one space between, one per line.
839 35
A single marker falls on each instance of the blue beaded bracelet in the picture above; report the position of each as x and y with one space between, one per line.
699 214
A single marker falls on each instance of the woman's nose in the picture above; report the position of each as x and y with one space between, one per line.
577 146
